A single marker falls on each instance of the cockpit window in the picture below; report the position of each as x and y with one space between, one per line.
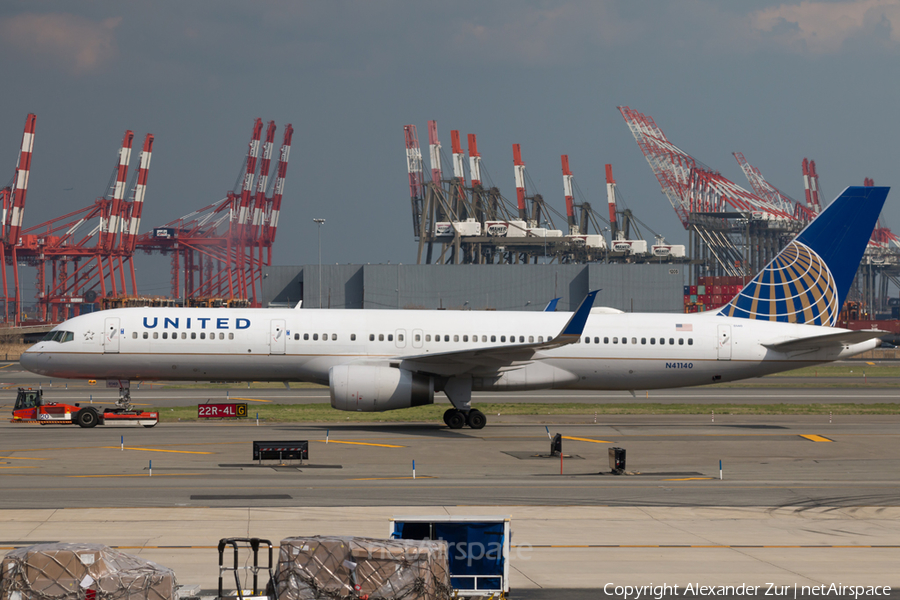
58 335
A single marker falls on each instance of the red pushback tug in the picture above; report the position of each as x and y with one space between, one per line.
31 408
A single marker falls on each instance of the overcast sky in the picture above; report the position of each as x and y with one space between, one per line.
778 81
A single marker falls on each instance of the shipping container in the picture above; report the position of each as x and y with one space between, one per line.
478 550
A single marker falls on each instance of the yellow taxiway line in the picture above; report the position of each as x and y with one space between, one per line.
577 439
135 475
383 478
361 444
816 438
156 450
248 399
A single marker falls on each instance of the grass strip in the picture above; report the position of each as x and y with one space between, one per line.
305 413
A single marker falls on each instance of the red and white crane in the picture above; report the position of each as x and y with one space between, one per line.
611 203
772 194
278 191
434 151
519 172
416 171
13 213
569 195
474 161
690 185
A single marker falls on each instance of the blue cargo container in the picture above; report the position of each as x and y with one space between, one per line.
478 549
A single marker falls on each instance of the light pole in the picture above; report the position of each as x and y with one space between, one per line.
319 223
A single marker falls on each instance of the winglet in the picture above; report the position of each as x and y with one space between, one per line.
576 324
551 306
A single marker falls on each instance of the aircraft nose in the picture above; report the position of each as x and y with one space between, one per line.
29 360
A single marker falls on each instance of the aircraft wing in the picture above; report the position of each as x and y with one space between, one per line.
483 361
828 340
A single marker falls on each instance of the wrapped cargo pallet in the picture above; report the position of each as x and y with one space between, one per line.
80 572
351 567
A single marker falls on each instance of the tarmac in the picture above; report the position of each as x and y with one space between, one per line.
804 500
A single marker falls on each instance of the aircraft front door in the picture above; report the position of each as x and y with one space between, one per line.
277 336
111 335
724 342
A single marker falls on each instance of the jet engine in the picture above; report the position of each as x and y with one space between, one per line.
369 388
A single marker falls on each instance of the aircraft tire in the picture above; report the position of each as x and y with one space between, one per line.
476 419
457 420
447 414
87 418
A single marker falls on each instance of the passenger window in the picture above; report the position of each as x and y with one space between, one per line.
530 339
606 340
493 338
437 338
324 337
671 341
521 339
418 337
155 335
193 335
465 338
221 336
134 335
296 337
333 337
230 336
634 340
165 335
652 341
427 337
380 337
390 337
446 338
587 340
352 337
644 341
400 337
184 335
202 336
540 339
145 335
662 341
681 341
455 338
371 337
690 341
502 338
484 338
316 337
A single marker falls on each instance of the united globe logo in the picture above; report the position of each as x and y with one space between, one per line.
796 287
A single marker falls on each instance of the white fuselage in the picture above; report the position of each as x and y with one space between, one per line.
303 345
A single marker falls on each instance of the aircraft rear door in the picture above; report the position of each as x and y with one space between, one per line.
723 342
277 336
111 335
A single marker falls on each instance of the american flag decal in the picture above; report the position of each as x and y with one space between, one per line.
683 327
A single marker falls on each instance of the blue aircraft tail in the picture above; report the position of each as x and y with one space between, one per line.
808 281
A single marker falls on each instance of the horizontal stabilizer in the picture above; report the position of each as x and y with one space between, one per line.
828 340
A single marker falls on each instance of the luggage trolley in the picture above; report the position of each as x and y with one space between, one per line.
254 545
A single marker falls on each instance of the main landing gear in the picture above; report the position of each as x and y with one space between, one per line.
457 419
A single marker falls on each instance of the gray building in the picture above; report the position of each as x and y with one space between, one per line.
629 287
